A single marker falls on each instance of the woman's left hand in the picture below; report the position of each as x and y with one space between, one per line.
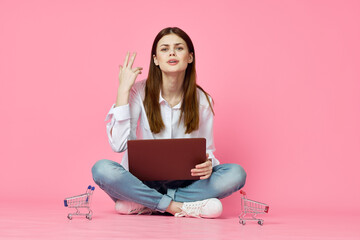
204 169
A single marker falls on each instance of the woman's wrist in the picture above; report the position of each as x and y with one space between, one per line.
122 97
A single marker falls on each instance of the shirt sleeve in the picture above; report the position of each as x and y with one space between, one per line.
206 130
123 122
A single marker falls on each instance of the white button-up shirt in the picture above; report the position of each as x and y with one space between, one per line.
130 122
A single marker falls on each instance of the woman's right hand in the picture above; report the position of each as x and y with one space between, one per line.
127 74
127 77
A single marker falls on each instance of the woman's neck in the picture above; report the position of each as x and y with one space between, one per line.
172 87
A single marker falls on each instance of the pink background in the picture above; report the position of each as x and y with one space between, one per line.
284 75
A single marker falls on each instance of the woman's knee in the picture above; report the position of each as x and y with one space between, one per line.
98 167
234 176
239 174
103 169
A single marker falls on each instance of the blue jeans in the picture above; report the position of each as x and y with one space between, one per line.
120 184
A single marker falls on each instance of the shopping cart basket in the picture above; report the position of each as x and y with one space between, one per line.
250 208
80 201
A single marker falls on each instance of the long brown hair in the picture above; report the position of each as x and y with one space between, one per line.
190 103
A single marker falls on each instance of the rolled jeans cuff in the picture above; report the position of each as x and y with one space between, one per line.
164 203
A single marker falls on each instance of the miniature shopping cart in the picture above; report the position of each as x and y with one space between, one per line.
80 201
250 208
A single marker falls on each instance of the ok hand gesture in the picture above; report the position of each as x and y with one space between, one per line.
127 74
127 77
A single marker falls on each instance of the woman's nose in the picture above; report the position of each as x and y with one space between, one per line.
172 52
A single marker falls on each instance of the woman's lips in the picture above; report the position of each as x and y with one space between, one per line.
173 62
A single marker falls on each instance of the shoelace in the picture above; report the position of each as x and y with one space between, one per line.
142 210
191 209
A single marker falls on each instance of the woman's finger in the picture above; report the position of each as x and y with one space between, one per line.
204 164
201 165
204 174
126 59
132 59
205 177
200 172
137 73
137 68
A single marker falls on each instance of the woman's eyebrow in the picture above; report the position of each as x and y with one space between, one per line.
166 45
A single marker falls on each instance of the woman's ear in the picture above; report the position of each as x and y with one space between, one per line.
191 58
155 60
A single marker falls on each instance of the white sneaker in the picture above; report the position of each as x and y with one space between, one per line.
208 208
127 207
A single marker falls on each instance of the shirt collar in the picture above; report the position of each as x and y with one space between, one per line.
161 99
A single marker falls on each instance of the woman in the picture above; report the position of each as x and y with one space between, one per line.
169 104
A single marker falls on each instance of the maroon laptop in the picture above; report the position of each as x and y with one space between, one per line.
165 159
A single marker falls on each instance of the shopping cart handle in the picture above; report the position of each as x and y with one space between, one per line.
93 188
89 187
266 209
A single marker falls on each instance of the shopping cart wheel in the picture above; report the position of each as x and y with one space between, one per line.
243 222
69 216
261 222
88 217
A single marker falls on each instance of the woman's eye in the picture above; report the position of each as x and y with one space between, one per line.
163 49
180 48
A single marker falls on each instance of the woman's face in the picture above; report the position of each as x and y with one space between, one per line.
172 54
